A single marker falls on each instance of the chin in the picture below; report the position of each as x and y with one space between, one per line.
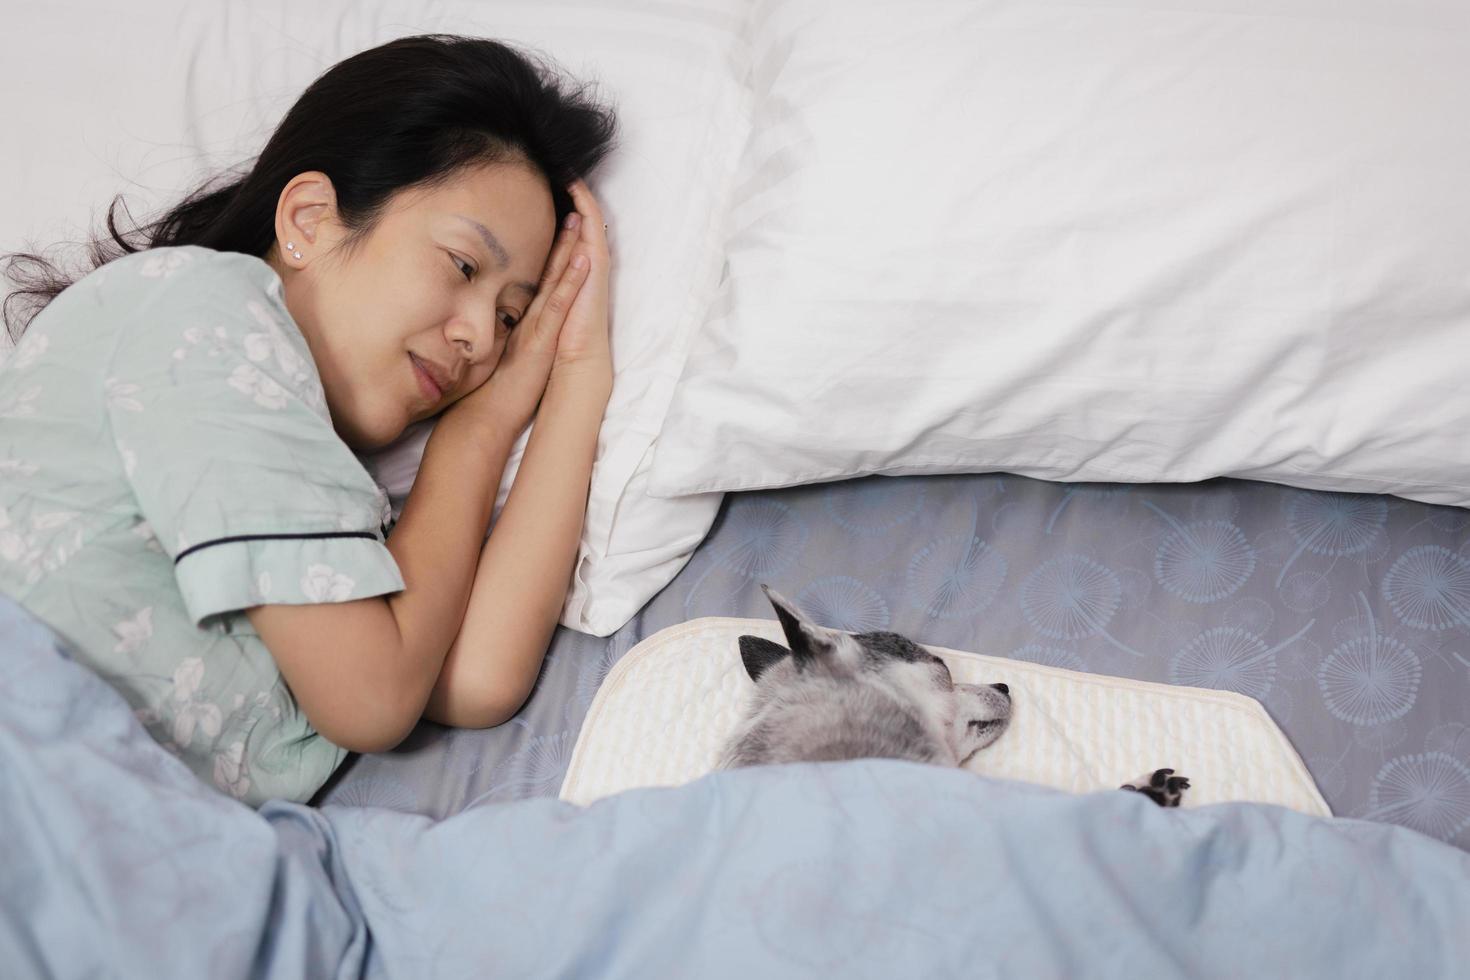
369 435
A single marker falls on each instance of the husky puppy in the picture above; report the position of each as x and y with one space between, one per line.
835 695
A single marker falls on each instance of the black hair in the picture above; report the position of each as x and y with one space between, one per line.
411 113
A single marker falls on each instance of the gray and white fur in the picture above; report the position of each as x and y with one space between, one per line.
834 695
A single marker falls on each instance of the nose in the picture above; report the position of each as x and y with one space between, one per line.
1002 689
473 338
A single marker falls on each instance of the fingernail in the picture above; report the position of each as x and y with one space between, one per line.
573 220
579 261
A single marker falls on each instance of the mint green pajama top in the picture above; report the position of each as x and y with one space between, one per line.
166 461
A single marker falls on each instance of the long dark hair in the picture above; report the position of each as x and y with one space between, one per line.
410 113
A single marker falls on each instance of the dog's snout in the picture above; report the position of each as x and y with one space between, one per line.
1002 689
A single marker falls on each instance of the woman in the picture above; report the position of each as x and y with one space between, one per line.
181 499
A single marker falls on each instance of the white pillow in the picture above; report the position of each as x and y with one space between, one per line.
1113 240
209 97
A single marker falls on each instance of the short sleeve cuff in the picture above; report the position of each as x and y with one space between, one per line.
233 574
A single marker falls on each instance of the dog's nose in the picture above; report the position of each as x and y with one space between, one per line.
1002 689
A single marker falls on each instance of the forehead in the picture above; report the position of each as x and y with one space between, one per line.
511 199
893 646
505 183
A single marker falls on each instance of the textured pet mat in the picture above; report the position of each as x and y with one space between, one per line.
666 708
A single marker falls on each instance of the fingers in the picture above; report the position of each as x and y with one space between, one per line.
594 225
586 227
582 236
558 301
566 240
556 263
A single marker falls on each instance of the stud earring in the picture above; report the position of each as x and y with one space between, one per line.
290 246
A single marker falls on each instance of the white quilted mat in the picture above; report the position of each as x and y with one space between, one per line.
662 716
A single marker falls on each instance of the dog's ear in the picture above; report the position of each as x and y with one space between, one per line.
808 641
758 653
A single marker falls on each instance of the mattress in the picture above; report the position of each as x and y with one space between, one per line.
1346 616
664 713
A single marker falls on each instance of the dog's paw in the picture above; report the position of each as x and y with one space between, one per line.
1161 786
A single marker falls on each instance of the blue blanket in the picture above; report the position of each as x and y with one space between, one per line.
115 861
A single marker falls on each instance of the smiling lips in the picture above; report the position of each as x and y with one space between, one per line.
431 378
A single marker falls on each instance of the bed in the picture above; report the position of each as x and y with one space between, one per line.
1120 338
117 859
1338 612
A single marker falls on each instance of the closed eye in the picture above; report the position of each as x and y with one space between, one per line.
468 271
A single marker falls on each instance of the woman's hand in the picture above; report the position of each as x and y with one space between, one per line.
511 394
582 351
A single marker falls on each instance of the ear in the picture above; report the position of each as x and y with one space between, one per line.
304 212
758 653
808 641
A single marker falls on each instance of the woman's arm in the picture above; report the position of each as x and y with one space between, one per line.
526 565
363 670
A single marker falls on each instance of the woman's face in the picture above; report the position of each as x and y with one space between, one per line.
419 314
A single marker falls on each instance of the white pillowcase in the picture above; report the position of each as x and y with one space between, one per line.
1111 240
209 98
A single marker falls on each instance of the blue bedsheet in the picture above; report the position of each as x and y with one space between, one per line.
1346 615
116 861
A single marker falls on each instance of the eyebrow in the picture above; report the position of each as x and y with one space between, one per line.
497 250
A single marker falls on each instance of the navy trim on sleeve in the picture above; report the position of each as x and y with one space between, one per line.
274 537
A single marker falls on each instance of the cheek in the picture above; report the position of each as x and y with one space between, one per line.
362 339
502 342
949 708
364 330
481 374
